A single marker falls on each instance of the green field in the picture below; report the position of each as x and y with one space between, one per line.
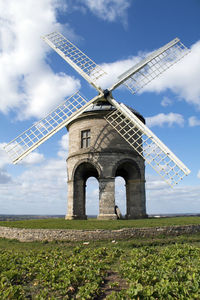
98 224
141 268
158 268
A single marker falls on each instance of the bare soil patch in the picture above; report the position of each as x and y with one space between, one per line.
112 283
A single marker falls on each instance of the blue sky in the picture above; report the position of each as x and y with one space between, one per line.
114 33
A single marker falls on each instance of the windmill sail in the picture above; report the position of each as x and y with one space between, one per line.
151 67
122 119
45 128
147 144
86 67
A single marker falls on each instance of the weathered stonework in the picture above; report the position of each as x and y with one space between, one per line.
29 235
108 156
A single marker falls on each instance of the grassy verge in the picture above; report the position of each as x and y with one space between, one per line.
91 224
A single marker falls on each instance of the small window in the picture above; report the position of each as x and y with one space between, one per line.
85 138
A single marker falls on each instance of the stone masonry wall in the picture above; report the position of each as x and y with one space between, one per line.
107 157
29 235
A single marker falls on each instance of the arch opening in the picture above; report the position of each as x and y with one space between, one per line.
92 197
83 172
120 194
130 172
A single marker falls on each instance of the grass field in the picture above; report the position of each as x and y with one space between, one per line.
99 224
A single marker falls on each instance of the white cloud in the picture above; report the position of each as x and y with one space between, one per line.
32 159
163 199
182 78
4 177
120 194
161 119
40 188
193 121
108 10
166 101
51 87
92 196
64 144
155 182
4 158
27 84
115 69
48 176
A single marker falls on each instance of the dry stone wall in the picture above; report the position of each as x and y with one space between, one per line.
29 235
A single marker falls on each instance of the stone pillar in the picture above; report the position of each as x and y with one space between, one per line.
107 199
135 197
70 201
76 200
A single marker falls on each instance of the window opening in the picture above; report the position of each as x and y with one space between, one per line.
85 138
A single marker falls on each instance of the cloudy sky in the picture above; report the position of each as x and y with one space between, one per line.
115 34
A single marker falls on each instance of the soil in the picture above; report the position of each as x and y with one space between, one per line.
112 283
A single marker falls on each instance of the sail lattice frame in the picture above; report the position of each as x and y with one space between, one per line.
85 66
149 146
45 128
151 67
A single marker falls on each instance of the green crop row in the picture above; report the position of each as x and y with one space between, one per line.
55 274
171 272
150 272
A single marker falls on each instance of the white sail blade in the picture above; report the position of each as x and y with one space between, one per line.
155 64
147 144
25 143
86 67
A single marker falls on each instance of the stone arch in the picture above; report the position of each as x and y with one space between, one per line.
82 171
127 168
135 189
85 161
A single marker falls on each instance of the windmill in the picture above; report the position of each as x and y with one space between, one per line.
122 119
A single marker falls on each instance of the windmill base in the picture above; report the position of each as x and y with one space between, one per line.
75 217
107 217
133 217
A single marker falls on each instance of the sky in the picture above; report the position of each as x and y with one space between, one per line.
115 34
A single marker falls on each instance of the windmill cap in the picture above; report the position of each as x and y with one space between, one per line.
106 106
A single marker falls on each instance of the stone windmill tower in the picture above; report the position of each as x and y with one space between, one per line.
98 150
107 139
